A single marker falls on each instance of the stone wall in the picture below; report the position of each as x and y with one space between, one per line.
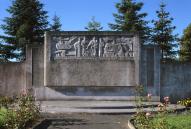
12 78
54 76
175 80
70 73
91 59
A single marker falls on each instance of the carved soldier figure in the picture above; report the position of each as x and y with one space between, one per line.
101 47
92 47
109 49
121 52
60 52
59 43
77 47
83 45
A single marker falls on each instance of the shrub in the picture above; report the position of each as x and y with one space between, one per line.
185 102
24 113
5 101
144 120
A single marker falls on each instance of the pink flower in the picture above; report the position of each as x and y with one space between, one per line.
166 99
148 114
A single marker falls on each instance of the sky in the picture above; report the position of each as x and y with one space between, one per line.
75 14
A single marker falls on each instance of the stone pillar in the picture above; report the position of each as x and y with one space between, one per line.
137 58
150 69
47 55
157 70
28 67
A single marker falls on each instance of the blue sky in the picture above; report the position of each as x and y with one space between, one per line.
75 14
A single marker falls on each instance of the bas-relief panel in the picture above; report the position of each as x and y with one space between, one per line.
92 46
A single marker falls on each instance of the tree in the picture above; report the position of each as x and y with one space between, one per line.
93 25
163 33
7 51
27 21
130 20
185 49
56 25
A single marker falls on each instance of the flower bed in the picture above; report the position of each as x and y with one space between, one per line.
185 102
18 114
160 119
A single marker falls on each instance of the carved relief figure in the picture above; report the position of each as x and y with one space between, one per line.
65 47
125 47
109 49
78 46
60 52
101 47
83 45
92 47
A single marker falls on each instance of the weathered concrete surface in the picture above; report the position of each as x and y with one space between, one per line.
12 78
150 69
111 71
176 80
88 121
37 66
91 73
101 107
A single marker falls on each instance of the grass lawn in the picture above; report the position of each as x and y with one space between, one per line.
182 121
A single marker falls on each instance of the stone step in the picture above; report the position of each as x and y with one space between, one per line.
95 104
101 111
102 107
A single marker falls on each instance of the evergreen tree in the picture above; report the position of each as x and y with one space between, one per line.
185 49
163 33
56 25
93 25
27 21
130 19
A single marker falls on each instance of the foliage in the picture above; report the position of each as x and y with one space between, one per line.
56 25
185 49
163 33
140 95
3 112
130 19
27 21
24 113
5 101
7 51
141 121
185 102
93 25
144 120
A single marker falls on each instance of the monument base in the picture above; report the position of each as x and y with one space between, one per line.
87 93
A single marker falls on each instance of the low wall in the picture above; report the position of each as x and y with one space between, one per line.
12 78
176 80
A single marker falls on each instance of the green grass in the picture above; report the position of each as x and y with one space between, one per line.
182 121
3 112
